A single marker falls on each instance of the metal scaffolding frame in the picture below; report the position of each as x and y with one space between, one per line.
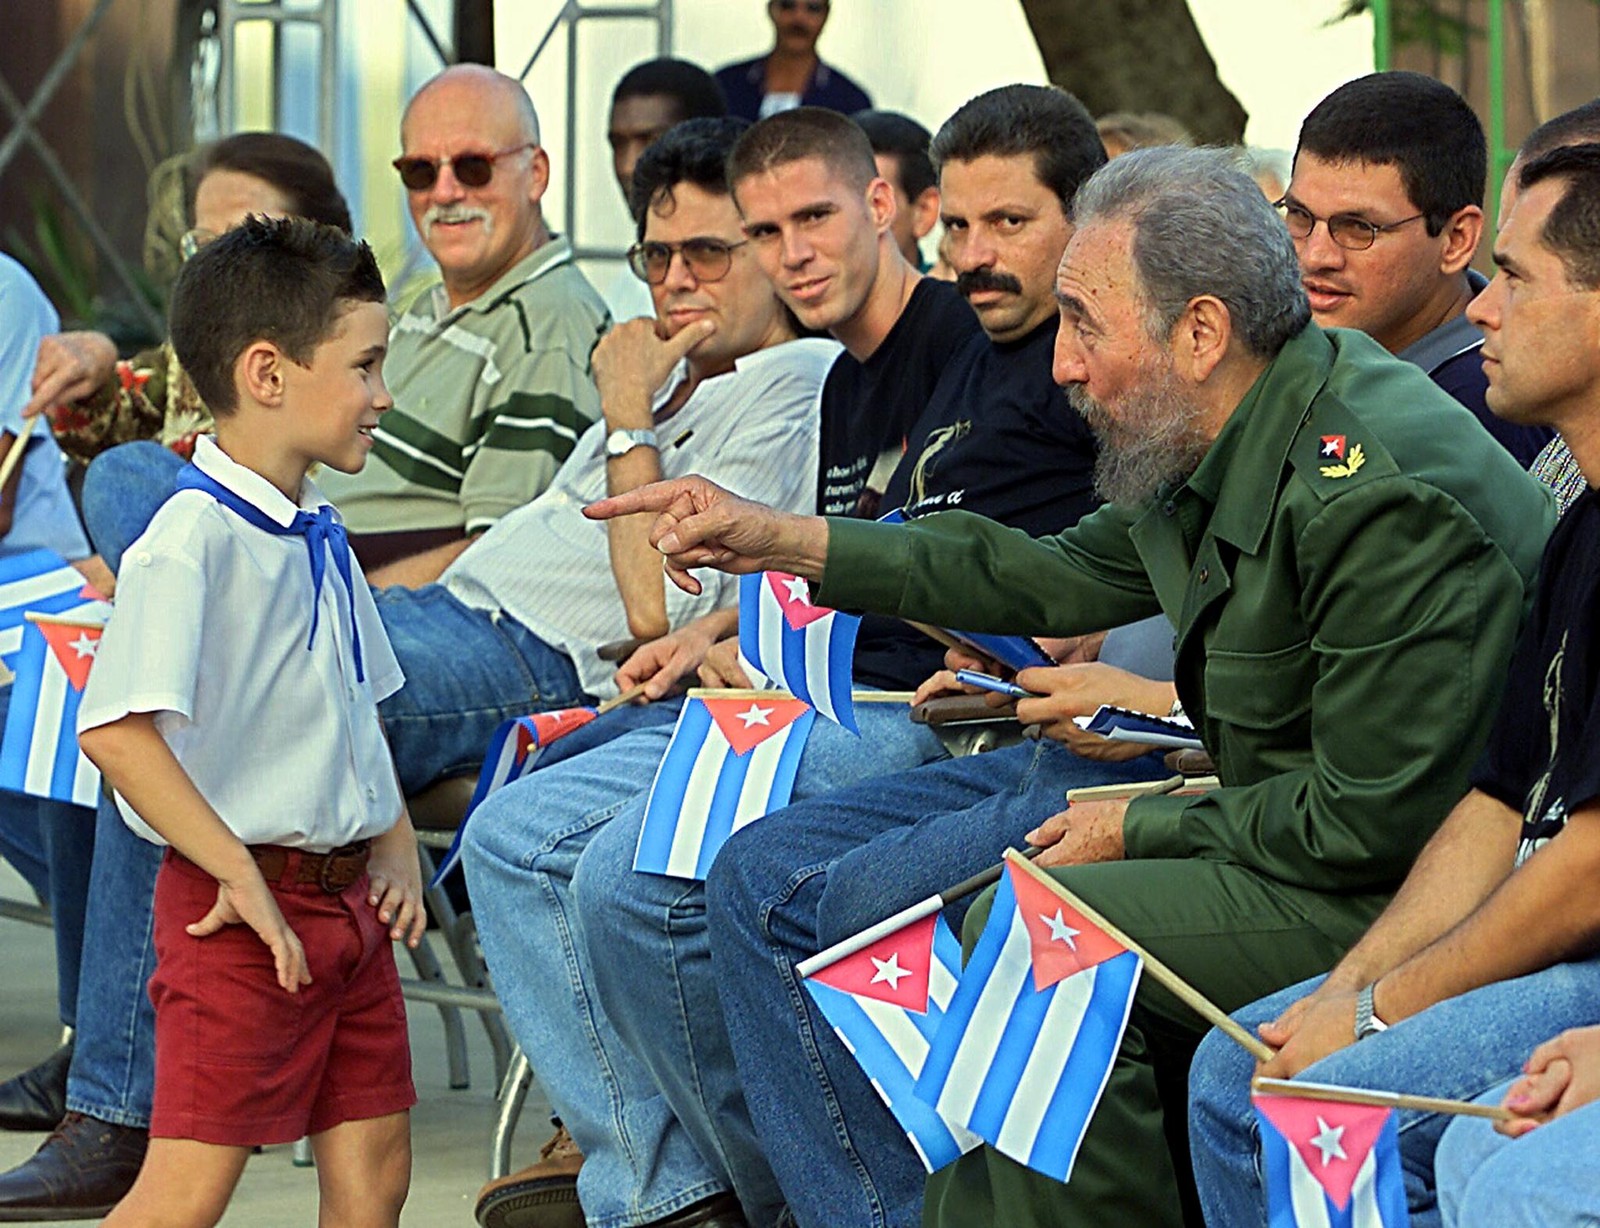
25 130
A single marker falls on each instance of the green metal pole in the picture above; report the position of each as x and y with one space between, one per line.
1499 156
1382 48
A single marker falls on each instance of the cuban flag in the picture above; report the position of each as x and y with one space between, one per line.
1330 1165
731 760
885 992
805 649
39 752
1029 1038
513 753
41 581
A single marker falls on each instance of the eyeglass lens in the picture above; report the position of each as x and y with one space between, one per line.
1354 233
708 259
473 170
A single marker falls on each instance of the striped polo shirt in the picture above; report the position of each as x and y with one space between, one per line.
489 398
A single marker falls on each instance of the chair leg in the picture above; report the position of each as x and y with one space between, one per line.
455 1036
301 1156
513 1093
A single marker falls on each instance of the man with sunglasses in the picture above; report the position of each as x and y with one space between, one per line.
791 74
490 369
1385 209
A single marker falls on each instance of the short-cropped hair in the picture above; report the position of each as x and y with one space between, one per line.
1142 129
1415 123
1572 230
283 280
1038 121
805 132
1201 227
695 151
900 137
291 166
694 91
1579 126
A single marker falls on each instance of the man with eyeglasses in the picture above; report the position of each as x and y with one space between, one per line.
1385 209
490 369
791 74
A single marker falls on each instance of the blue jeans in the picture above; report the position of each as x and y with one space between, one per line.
605 973
1459 1048
122 489
816 873
1542 1180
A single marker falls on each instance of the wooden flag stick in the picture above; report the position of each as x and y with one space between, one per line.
936 633
624 697
19 445
882 697
1388 1100
63 620
1190 996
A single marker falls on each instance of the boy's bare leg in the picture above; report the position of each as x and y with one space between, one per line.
363 1172
182 1184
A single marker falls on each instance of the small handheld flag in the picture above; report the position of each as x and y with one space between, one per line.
39 752
806 649
1030 1036
40 581
1330 1165
732 758
885 992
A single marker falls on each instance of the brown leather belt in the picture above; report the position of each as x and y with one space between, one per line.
333 871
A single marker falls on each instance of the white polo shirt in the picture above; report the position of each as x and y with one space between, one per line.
209 632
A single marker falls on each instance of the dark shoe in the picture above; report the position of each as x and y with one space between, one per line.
81 1172
718 1211
37 1099
543 1196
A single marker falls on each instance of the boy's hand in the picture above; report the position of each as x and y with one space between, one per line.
251 904
395 878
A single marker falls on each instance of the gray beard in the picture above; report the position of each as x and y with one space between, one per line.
1155 440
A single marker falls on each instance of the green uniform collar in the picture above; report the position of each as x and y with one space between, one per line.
1242 470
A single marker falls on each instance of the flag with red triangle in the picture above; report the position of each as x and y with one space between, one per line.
1329 1164
885 992
1030 1036
732 758
807 649
513 753
41 582
39 752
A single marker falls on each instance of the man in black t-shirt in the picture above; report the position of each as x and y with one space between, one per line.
1489 946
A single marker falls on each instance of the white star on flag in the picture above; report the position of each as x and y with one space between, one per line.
757 715
1060 931
1326 1140
84 646
799 590
889 970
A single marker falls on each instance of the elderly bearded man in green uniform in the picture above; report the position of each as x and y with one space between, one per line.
1345 556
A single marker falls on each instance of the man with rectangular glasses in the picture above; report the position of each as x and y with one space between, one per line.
1385 209
490 369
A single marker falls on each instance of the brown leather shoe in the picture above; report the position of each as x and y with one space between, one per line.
718 1211
36 1099
81 1172
542 1196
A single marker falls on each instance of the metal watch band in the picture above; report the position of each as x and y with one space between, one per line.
620 442
1367 1021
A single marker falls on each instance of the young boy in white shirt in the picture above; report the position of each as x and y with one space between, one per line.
233 708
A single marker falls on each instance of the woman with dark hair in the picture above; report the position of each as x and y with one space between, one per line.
92 400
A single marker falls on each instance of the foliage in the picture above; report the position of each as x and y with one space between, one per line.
1420 22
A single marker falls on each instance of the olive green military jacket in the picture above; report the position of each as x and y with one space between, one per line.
1346 572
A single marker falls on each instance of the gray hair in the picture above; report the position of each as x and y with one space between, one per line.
1200 227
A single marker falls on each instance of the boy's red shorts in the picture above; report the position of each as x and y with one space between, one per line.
242 1062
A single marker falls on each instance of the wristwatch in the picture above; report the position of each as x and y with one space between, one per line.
1367 1021
620 442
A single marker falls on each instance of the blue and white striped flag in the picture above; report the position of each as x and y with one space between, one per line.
732 759
806 649
37 580
1029 1038
39 752
885 992
1330 1165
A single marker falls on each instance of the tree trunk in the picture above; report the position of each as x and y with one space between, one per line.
1136 55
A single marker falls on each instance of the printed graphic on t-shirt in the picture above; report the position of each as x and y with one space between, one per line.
1543 817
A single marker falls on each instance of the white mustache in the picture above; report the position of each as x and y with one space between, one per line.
455 213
